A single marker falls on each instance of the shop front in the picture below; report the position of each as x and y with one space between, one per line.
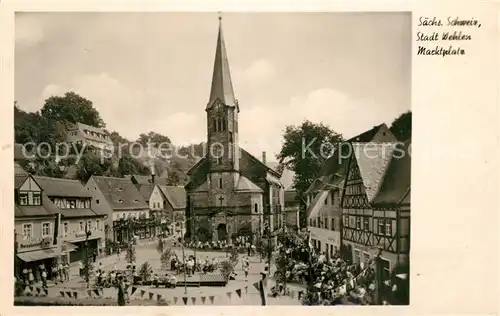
125 230
35 256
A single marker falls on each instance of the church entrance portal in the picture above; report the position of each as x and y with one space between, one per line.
222 232
203 235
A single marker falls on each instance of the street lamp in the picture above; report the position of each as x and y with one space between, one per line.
183 256
87 263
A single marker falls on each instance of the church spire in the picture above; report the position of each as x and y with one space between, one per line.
222 86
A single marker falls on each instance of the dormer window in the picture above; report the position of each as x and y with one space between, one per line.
23 198
136 201
120 201
119 189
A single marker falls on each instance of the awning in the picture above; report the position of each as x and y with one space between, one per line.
67 247
82 239
36 255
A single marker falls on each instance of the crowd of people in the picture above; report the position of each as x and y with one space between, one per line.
330 280
241 243
58 273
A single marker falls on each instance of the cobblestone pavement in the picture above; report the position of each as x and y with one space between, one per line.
147 252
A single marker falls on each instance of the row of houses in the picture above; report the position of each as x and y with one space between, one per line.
359 205
62 219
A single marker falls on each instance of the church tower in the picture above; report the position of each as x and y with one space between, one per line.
222 131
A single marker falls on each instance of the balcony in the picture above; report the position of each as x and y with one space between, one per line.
136 222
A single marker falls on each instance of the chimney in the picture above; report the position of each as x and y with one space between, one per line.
264 157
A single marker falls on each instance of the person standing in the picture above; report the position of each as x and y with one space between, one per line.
60 271
94 255
31 277
44 279
66 271
121 292
80 264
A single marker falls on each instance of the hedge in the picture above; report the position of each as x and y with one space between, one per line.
61 301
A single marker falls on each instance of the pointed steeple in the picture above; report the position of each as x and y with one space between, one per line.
222 86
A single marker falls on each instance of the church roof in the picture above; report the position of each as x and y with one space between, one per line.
245 185
120 193
222 86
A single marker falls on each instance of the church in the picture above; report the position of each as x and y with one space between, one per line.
230 193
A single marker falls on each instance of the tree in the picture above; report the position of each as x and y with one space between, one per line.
154 138
130 255
32 127
401 126
305 148
145 271
130 165
71 108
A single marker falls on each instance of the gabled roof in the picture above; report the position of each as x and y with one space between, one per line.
336 164
120 193
141 179
245 185
373 160
222 86
62 187
46 209
146 190
79 212
176 196
244 153
395 187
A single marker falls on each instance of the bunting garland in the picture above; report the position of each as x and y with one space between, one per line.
203 298
89 292
142 293
175 299
193 299
211 299
96 291
62 293
158 297
228 295
133 290
185 300
68 293
238 291
75 295
151 295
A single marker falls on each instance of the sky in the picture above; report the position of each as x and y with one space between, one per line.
152 71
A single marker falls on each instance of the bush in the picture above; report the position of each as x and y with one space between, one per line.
130 255
227 268
145 271
234 256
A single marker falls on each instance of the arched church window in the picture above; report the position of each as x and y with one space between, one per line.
256 208
220 125
220 183
223 125
214 125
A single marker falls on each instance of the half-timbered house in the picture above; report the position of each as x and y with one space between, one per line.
324 211
77 216
376 204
